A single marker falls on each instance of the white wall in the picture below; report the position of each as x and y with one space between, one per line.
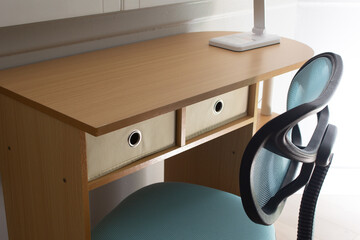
334 25
40 41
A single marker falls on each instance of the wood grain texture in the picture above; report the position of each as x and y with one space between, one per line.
263 119
43 169
253 102
215 164
102 91
161 156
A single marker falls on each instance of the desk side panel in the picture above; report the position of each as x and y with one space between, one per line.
43 168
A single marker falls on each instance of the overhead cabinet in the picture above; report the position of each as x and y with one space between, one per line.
16 12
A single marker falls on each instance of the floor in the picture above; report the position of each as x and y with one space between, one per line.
337 217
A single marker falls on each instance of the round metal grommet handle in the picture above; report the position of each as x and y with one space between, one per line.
218 106
134 138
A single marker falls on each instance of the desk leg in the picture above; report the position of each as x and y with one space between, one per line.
267 97
43 169
214 164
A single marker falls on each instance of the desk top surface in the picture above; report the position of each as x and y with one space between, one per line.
101 91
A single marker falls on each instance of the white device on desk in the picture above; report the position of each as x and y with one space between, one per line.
249 40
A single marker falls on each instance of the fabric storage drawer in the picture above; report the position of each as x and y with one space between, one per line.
214 112
116 149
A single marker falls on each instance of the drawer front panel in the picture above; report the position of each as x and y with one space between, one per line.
116 149
214 112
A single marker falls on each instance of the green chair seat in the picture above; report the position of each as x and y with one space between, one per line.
180 211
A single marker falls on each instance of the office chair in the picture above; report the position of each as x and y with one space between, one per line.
268 175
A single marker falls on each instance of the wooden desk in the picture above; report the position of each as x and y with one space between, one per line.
47 109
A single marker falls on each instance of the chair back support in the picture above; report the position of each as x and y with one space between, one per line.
270 161
310 82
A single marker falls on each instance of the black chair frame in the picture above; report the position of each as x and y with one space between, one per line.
315 157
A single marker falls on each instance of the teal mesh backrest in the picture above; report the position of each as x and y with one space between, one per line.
269 169
309 83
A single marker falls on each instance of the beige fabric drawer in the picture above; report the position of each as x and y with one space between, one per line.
111 151
202 116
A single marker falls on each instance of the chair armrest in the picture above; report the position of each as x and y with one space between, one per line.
279 142
323 159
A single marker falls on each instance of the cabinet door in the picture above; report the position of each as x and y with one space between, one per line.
153 3
14 12
111 5
130 4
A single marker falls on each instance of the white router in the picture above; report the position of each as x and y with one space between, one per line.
249 40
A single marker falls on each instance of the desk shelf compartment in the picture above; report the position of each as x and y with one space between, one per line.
170 152
217 111
114 150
